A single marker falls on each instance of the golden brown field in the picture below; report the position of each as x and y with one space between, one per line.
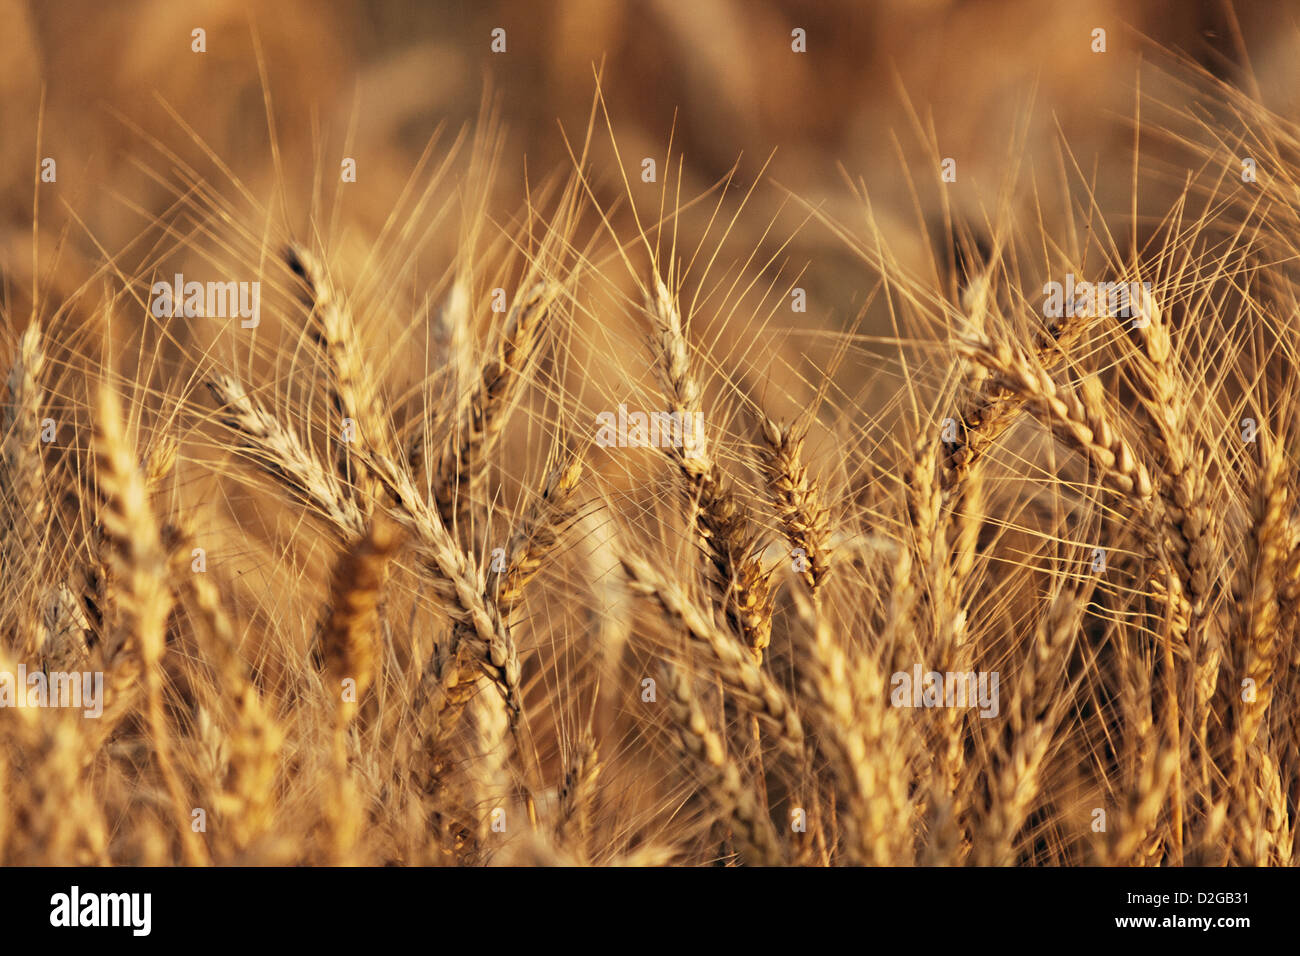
584 453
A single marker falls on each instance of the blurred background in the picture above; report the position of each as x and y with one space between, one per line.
1011 90
722 71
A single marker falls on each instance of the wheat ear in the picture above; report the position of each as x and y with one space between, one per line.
142 589
459 590
1076 416
540 527
462 465
351 387
247 794
746 681
22 491
350 643
1257 627
860 741
721 520
721 776
350 639
990 407
577 795
805 521
280 453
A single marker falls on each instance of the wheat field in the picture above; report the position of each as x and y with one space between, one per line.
570 518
